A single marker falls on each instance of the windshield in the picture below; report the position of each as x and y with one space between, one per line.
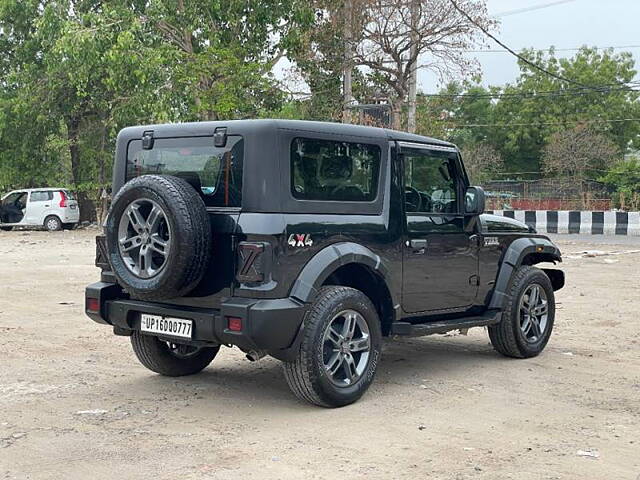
215 172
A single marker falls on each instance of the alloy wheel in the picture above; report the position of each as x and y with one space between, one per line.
534 313
346 348
144 238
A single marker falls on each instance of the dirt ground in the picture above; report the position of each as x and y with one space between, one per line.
75 403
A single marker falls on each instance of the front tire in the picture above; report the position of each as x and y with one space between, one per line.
6 229
170 359
52 223
340 349
527 321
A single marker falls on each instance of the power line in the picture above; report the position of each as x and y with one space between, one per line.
551 49
530 9
604 89
514 53
540 124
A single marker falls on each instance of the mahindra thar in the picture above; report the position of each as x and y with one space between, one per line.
308 242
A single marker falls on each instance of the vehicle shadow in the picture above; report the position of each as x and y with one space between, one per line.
404 362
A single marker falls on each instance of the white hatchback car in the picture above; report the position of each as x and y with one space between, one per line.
52 208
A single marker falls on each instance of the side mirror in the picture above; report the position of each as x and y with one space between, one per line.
474 201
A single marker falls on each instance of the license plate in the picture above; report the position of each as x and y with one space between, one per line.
175 327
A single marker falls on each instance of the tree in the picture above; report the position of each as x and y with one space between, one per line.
443 115
530 111
324 59
482 162
401 36
73 72
578 153
221 53
624 177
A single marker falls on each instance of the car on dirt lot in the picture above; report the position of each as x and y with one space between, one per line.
51 208
309 242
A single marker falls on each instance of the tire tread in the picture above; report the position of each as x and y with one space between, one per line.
300 374
153 356
503 335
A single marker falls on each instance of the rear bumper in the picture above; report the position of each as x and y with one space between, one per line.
71 216
267 324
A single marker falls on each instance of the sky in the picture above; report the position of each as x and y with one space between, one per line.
571 24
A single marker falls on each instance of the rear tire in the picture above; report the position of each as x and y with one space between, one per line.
521 333
327 342
52 223
171 360
6 229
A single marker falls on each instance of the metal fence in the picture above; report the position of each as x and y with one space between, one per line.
547 194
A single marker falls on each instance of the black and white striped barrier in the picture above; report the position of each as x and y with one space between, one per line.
586 222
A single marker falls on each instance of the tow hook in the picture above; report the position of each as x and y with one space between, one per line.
255 355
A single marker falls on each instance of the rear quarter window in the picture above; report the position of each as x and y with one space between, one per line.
215 172
41 196
329 170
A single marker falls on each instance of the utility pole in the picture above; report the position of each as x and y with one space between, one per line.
413 65
347 88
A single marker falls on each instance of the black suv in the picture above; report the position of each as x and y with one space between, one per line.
308 242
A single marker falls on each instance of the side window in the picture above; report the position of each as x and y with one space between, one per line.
16 200
334 171
41 196
11 199
430 182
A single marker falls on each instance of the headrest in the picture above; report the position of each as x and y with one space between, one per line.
337 168
308 166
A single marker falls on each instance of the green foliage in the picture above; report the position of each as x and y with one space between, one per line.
520 119
457 104
530 121
73 72
624 178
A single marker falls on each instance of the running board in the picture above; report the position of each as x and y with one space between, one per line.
491 317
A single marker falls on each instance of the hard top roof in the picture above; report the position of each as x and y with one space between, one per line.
245 126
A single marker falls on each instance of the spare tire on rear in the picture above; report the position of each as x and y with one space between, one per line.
158 237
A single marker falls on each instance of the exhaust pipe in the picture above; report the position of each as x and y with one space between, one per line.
255 355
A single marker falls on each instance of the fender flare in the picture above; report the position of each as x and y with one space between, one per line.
328 260
512 260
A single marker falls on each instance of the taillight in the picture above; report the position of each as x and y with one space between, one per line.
251 268
63 199
93 305
234 324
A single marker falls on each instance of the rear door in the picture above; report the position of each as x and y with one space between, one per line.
216 174
440 259
39 203
70 203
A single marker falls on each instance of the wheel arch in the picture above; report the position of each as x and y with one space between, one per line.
525 251
352 265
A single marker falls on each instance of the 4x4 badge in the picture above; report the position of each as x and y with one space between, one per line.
300 240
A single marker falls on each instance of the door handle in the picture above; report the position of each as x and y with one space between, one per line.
419 245
47 205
